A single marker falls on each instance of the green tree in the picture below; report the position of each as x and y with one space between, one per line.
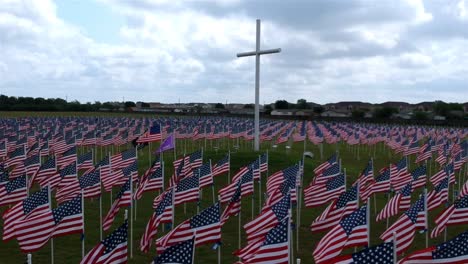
281 104
219 106
249 106
318 109
302 104
385 112
357 114
130 104
419 115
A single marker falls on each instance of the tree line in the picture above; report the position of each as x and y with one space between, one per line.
13 103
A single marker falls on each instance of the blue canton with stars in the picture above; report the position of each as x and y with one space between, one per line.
415 209
188 183
15 184
455 247
34 159
462 202
280 209
36 199
401 164
181 253
119 236
407 190
348 196
332 171
442 185
335 182
90 179
247 177
166 202
279 234
382 254
418 172
197 155
129 154
208 216
205 169
72 207
384 176
68 170
127 171
49 164
156 173
357 218
125 188
85 157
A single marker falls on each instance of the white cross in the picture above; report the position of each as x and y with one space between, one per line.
257 54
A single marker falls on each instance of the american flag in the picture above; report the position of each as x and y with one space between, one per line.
419 177
284 180
400 202
123 199
113 249
337 210
454 251
330 172
273 248
85 161
47 171
36 203
382 254
69 177
34 232
206 177
16 157
404 228
206 225
268 218
438 196
381 184
264 162
246 182
234 205
447 171
196 159
352 231
331 161
222 166
13 191
67 157
163 213
366 178
318 194
3 148
91 184
399 175
153 182
181 253
187 190
424 154
32 164
123 159
455 214
413 148
255 167
153 134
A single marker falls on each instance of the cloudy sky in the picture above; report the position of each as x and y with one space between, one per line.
168 50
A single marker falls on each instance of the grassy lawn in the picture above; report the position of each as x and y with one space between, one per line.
68 249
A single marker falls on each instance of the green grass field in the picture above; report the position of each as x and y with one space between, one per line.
68 249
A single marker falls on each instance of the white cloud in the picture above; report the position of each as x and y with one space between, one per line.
170 50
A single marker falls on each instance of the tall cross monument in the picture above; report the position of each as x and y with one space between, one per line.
257 54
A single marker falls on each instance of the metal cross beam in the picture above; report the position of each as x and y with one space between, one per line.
257 54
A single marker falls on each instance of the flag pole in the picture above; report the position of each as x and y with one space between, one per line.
29 258
110 168
259 185
394 249
52 239
83 237
426 225
290 250
212 185
131 210
368 221
229 171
